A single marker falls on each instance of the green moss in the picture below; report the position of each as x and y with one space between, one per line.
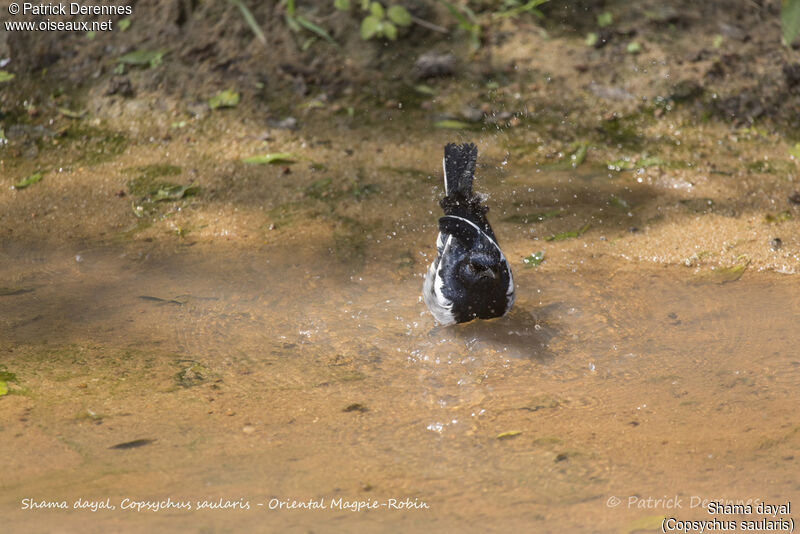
147 180
525 218
155 170
95 145
350 241
569 234
622 132
139 226
361 190
761 166
543 402
783 216
412 96
320 189
698 205
193 374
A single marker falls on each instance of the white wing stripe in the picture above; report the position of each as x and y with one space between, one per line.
444 170
480 231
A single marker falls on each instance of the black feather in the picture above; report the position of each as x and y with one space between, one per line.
459 168
470 277
464 232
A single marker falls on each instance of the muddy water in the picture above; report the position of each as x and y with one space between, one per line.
264 375
266 342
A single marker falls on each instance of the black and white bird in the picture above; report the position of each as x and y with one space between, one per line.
470 277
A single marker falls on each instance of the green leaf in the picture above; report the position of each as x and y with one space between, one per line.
462 20
5 76
376 10
475 38
633 47
566 235
576 155
71 114
30 180
399 15
250 20
468 23
370 27
725 275
307 24
649 161
605 19
450 124
428 90
389 31
470 14
513 9
795 151
143 57
175 192
591 39
307 43
3 389
124 24
622 164
342 5
274 158
224 99
790 20
620 202
783 216
292 23
508 435
579 156
534 259
91 35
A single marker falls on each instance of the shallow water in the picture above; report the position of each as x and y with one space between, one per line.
267 340
266 374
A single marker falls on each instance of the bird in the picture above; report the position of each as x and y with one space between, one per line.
470 277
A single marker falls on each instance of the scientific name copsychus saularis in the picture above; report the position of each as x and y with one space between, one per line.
240 504
73 8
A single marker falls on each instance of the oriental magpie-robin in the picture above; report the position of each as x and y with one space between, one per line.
470 277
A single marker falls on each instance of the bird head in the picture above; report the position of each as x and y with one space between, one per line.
478 268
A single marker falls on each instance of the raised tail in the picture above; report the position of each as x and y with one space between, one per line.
459 169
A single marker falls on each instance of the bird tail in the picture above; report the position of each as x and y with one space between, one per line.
459 168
